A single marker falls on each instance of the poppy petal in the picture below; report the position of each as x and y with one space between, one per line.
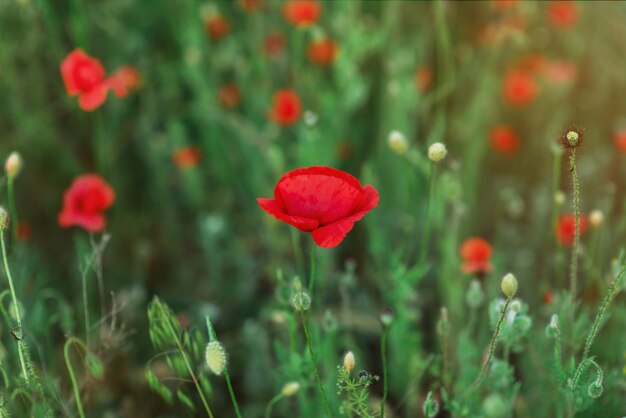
94 98
329 236
271 207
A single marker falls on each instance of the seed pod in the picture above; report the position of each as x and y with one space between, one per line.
215 357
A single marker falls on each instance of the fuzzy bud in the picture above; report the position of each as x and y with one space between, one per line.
595 389
349 362
596 218
215 357
552 330
13 164
559 198
509 285
386 317
397 142
437 152
301 301
95 366
4 218
290 389
431 406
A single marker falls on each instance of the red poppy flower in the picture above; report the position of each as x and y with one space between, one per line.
84 203
84 77
566 228
273 44
229 95
423 79
124 80
187 157
302 13
562 14
504 139
476 254
322 52
321 200
548 297
216 26
519 88
286 107
24 231
619 140
250 5
560 72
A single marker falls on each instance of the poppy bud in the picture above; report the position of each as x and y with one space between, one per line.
509 285
572 137
596 218
386 317
215 357
301 301
4 218
349 362
437 152
397 142
559 198
552 330
595 389
290 389
13 164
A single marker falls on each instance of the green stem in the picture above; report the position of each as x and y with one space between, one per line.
314 363
70 369
492 349
312 271
14 296
426 223
12 206
576 246
85 304
383 354
271 403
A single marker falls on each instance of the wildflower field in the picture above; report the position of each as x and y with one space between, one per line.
308 209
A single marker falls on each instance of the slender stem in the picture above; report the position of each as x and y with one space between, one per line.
85 304
18 319
575 247
426 223
314 362
312 271
492 349
12 206
383 354
271 403
70 369
186 360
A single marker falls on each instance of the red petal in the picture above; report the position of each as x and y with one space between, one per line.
94 98
321 193
67 70
271 207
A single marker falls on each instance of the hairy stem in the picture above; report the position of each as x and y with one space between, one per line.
314 362
576 204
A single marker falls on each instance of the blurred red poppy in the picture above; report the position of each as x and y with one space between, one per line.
84 203
321 200
302 13
548 297
273 44
124 80
519 88
84 77
503 4
424 79
562 14
286 107
216 26
504 139
250 5
619 140
187 157
24 231
566 228
322 52
476 255
229 95
560 72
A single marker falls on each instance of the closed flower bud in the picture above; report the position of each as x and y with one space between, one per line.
595 389
215 357
494 406
349 362
509 285
397 142
559 198
290 389
4 218
301 301
386 317
437 152
552 330
13 164
596 218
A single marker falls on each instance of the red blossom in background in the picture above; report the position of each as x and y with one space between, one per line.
250 5
424 79
216 26
504 139
24 231
560 72
518 88
548 297
476 255
229 96
566 228
562 14
84 203
286 107
273 44
503 4
125 80
321 200
619 140
84 77
187 157
322 52
302 13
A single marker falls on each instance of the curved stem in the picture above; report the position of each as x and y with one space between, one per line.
314 363
70 369
271 403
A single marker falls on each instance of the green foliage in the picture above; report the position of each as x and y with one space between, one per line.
355 391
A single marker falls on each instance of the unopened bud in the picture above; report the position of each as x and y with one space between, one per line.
13 164
509 285
349 362
595 389
4 218
386 316
397 142
215 357
559 197
552 330
437 152
301 301
290 389
596 218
